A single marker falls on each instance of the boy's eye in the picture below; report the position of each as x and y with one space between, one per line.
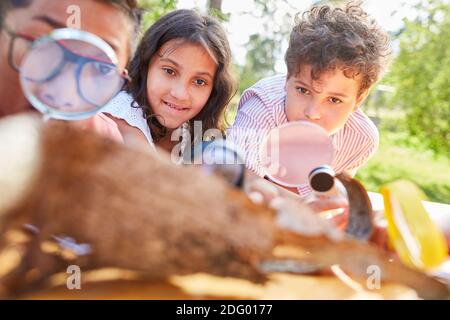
302 90
168 71
335 100
200 82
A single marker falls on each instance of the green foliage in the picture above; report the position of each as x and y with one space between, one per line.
421 75
215 10
265 48
221 16
260 60
394 161
154 9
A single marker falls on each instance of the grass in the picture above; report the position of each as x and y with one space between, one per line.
395 161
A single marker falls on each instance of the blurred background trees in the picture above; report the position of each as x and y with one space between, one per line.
420 75
155 9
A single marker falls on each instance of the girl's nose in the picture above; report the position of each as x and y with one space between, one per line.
179 91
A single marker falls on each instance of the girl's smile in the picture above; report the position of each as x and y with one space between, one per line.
174 107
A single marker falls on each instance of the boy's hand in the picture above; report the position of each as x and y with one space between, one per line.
264 192
335 210
293 212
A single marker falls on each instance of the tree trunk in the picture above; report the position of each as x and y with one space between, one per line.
215 5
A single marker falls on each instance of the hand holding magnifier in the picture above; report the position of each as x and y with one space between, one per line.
290 152
289 155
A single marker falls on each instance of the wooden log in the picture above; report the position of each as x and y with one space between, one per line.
92 202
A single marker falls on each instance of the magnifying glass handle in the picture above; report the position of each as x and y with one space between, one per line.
220 157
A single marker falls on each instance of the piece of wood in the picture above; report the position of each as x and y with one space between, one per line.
95 203
204 286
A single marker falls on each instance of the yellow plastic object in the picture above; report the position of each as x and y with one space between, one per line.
415 237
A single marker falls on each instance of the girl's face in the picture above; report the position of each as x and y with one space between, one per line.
179 82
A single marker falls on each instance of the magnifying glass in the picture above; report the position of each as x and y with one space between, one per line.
290 152
70 74
223 158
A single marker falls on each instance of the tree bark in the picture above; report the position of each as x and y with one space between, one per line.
215 5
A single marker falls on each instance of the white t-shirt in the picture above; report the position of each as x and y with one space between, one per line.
121 108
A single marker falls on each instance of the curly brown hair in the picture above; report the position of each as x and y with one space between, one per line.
326 38
189 26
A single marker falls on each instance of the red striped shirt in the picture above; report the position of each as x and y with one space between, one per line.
261 108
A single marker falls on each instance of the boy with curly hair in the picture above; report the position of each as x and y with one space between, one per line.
335 56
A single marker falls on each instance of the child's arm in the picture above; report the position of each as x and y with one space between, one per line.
102 125
262 191
360 157
253 122
113 128
131 135
359 141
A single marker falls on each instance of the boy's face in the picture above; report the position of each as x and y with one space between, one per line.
327 101
41 17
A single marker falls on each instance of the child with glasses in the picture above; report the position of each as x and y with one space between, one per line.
115 21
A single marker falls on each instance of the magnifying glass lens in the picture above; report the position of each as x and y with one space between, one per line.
70 74
41 61
99 81
290 152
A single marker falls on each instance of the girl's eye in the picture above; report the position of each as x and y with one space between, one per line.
169 71
200 82
302 90
335 100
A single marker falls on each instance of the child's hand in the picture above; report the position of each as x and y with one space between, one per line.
332 209
102 125
264 192
259 190
293 213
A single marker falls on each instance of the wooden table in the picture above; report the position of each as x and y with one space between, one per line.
119 284
201 286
